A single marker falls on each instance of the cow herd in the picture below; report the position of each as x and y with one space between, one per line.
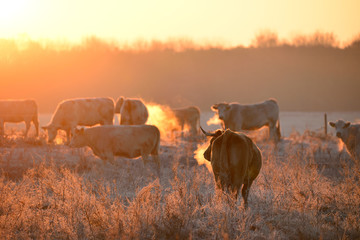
235 158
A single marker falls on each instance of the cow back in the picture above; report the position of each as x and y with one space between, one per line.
133 112
18 110
254 116
84 112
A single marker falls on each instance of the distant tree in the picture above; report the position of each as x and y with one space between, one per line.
265 39
355 43
315 40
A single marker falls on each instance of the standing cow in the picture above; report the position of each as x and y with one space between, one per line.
235 160
19 111
188 116
125 141
132 111
238 117
350 135
80 112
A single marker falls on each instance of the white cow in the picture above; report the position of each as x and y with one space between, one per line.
80 112
188 116
238 117
24 110
350 135
132 111
120 140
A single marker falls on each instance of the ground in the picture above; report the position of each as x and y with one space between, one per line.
308 188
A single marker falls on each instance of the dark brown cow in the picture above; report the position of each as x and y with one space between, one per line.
235 160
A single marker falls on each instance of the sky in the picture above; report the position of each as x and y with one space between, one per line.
227 22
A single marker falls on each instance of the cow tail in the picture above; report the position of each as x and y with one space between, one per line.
278 130
225 161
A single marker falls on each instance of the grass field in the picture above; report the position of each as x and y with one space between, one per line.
308 188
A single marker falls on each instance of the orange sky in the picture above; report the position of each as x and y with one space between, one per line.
229 22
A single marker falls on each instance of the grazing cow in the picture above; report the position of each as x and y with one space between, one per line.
350 135
125 141
188 116
238 117
80 112
132 111
235 160
18 111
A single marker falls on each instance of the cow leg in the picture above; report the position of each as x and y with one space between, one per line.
110 157
68 135
144 158
235 186
272 131
27 127
157 161
245 191
182 128
2 127
36 124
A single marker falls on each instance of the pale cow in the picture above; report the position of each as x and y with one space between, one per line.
120 140
15 111
132 111
80 112
189 116
238 117
350 135
235 159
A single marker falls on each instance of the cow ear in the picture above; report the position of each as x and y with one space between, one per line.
347 125
332 124
215 106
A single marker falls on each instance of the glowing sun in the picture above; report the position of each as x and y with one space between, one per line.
12 10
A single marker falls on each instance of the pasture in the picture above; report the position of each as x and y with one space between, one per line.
308 188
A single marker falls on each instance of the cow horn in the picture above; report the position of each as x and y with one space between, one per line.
206 133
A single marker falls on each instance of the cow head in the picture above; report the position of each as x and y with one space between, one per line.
222 110
341 127
215 135
78 139
52 132
118 104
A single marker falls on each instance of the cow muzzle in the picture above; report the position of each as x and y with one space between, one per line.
338 135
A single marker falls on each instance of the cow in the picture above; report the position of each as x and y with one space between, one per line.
132 111
350 134
238 117
19 110
188 116
130 141
80 112
235 159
